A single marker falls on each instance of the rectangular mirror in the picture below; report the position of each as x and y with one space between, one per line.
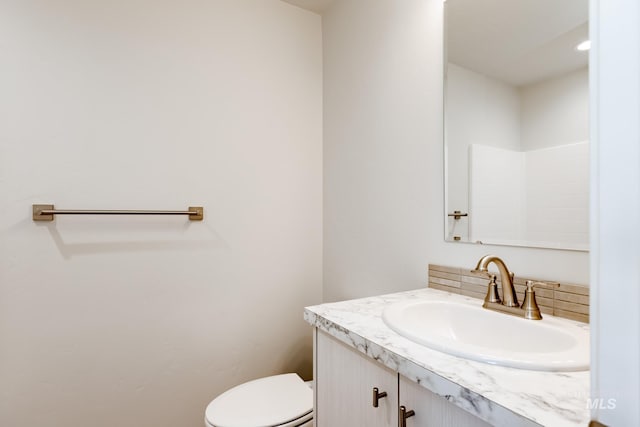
516 123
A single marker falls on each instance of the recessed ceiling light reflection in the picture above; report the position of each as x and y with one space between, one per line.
584 46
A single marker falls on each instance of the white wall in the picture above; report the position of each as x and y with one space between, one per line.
555 111
383 168
129 321
615 204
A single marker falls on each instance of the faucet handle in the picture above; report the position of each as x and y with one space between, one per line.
546 285
530 305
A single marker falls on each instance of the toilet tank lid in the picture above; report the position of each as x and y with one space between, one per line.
264 402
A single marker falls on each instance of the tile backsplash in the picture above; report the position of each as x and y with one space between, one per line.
568 301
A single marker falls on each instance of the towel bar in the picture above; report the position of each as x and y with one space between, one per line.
47 212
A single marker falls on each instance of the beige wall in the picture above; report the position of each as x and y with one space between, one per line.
383 164
143 104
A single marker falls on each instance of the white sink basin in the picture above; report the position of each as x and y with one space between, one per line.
470 331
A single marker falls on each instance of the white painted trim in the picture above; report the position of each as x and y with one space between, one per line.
615 211
594 201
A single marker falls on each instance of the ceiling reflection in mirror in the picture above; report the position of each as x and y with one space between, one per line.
516 123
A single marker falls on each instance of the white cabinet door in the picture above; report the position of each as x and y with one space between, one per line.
344 381
432 410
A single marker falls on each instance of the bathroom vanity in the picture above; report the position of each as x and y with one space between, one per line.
367 374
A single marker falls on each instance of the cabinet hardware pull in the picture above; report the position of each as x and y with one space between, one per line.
403 414
377 396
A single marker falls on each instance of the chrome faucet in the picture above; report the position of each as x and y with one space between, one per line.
509 297
509 302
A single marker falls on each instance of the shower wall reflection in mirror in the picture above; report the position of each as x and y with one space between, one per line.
516 123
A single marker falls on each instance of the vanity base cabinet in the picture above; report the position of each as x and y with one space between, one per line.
432 410
344 382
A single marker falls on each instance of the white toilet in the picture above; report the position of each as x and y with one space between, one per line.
282 401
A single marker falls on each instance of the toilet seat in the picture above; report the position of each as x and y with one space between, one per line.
281 400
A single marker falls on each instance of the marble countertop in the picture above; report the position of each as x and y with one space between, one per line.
499 395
